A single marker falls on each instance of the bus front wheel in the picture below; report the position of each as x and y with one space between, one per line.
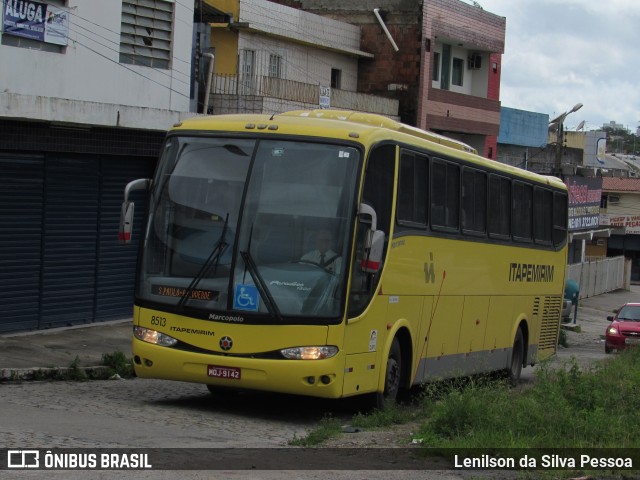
392 378
517 359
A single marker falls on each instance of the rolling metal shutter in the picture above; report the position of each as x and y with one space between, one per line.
117 263
60 260
21 209
69 258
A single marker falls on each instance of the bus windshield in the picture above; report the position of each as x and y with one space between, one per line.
250 226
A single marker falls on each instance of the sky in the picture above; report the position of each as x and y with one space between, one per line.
560 53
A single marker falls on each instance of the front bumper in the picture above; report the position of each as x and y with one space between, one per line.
317 378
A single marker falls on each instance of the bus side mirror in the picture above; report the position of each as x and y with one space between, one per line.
125 228
126 223
374 240
373 251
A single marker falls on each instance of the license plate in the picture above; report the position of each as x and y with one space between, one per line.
230 373
632 341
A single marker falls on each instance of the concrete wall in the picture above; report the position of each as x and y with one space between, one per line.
298 25
87 84
301 63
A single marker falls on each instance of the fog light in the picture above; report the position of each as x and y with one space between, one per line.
148 362
325 379
311 380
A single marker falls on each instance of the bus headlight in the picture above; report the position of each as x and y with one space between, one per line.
309 353
153 336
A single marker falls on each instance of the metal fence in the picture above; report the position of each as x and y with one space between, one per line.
601 275
258 86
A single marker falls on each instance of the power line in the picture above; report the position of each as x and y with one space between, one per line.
117 33
158 70
132 70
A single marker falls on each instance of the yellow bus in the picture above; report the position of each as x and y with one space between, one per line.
333 253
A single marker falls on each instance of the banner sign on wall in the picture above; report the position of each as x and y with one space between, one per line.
584 202
37 21
630 223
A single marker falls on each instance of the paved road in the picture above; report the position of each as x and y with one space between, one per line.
144 413
153 413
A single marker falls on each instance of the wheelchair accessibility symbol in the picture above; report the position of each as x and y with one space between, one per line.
246 298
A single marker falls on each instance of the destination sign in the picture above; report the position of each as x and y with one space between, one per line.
196 294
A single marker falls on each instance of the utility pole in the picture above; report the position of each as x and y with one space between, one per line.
559 123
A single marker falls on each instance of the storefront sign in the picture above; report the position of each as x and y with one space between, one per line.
37 21
584 202
631 223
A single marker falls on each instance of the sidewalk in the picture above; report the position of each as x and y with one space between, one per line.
21 353
593 313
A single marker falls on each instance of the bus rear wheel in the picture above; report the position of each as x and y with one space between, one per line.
517 359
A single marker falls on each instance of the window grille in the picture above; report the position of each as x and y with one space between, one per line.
275 66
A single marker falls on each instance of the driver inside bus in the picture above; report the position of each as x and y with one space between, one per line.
323 255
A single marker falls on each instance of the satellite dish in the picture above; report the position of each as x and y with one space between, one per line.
580 126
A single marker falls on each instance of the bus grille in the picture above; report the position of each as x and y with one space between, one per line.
550 321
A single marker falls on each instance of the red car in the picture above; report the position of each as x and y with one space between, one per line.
624 330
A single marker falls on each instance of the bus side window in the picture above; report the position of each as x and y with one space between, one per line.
378 193
412 190
560 215
445 195
499 221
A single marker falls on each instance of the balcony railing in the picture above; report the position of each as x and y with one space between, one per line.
302 95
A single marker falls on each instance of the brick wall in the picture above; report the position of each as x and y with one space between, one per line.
391 73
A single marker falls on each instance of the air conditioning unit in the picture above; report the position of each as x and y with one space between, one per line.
475 61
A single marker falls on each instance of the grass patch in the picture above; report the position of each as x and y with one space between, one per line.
564 407
562 338
329 427
393 414
119 364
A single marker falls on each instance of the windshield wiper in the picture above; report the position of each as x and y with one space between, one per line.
212 261
261 285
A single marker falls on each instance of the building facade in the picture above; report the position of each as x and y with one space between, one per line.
88 91
440 58
271 58
620 213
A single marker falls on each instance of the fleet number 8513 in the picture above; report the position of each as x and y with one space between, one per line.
159 321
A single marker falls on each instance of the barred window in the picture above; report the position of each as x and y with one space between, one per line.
145 37
275 66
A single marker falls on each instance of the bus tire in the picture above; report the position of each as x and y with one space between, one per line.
517 359
392 381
